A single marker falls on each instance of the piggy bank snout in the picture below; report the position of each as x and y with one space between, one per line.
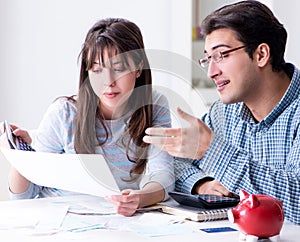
233 215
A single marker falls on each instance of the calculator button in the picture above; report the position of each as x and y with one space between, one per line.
24 146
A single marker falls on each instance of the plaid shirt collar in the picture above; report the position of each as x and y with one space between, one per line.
291 95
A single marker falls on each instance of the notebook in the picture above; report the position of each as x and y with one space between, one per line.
193 213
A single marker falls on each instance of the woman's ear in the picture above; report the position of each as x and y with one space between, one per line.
138 73
139 70
262 55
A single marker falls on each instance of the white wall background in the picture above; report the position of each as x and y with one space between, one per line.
40 42
288 13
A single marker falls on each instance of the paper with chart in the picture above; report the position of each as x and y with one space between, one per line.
83 173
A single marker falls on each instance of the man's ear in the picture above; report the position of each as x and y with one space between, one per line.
262 55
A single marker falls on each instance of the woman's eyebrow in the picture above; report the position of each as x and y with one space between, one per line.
116 62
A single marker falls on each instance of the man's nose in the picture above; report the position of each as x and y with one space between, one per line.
213 70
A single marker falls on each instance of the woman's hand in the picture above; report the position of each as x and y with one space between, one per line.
130 200
16 131
17 183
127 203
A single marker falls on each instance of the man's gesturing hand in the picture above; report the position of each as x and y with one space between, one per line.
191 142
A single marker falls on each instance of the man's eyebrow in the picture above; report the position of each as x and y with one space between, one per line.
218 46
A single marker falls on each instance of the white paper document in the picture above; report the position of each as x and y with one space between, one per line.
83 173
47 217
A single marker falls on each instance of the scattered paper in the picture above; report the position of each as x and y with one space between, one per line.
48 217
163 230
92 206
78 223
156 224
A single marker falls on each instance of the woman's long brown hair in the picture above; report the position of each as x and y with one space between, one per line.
118 36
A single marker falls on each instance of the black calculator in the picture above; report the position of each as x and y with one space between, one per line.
206 201
16 142
22 145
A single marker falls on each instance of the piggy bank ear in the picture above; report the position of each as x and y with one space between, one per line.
253 201
243 194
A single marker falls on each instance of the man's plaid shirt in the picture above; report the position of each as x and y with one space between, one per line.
257 157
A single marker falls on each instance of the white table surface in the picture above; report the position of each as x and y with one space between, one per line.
289 232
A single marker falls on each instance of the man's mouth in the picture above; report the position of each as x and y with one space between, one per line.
221 84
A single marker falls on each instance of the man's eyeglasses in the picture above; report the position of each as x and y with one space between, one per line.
217 56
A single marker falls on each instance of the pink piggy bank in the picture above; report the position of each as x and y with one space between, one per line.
257 216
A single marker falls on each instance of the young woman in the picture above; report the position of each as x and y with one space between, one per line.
114 106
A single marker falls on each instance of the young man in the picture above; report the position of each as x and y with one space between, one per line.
250 138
